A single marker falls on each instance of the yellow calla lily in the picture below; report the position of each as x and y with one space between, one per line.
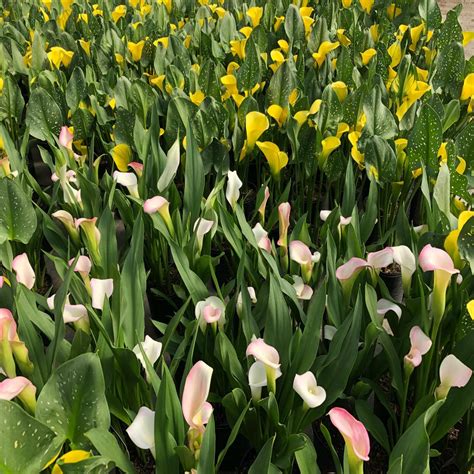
374 32
315 106
468 87
328 145
470 309
467 37
461 167
400 146
230 83
119 12
284 45
246 31
167 3
255 124
86 46
367 5
237 48
342 127
340 88
395 52
278 113
293 97
301 117
70 458
62 19
197 97
443 153
324 49
429 55
255 15
277 159
122 155
164 41
422 74
158 81
308 23
278 22
393 11
415 34
414 90
367 55
451 241
136 49
346 3
357 156
343 39
59 56
83 17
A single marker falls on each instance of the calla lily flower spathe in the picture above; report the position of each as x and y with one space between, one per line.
201 228
160 205
452 373
129 180
347 273
263 205
303 292
420 345
152 350
232 192
19 387
301 254
210 311
73 313
92 236
142 429
24 271
252 296
258 379
383 307
261 236
355 436
101 289
276 159
306 387
255 124
268 356
196 409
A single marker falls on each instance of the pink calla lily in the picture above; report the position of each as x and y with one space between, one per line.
269 356
347 274
209 311
381 259
261 236
301 254
303 292
66 137
19 387
263 205
452 373
24 271
355 435
160 205
196 409
420 345
284 210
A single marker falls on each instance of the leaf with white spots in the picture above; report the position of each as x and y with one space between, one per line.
26 445
73 400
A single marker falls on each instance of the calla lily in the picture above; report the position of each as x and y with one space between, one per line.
129 180
367 5
347 273
355 436
19 387
279 113
404 257
263 205
92 237
11 346
201 228
162 206
83 265
303 292
137 167
340 88
343 221
420 345
269 357
255 124
152 350
306 387
255 15
258 379
381 259
324 49
261 236
171 167
24 271
367 55
467 91
142 429
252 296
59 56
121 155
451 241
101 289
328 145
470 309
210 311
66 137
301 254
452 373
284 210
136 49
276 159
68 222
71 457
438 261
119 12
232 192
383 307
196 409
73 313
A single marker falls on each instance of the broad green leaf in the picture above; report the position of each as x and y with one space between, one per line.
248 75
27 445
73 400
425 140
17 216
208 449
281 85
380 120
430 13
306 458
465 143
43 116
76 89
466 242
11 102
450 68
263 461
294 26
373 424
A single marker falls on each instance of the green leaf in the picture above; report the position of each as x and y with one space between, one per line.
425 140
262 462
76 89
227 356
294 26
248 75
414 445
430 13
27 445
17 216
373 424
43 116
281 85
73 400
92 465
107 445
452 112
450 68
132 290
306 458
11 101
208 449
466 242
380 120
465 143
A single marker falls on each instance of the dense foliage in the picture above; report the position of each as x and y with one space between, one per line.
221 222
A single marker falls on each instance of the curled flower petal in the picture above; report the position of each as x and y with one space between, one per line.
303 292
300 252
210 310
142 429
381 259
263 352
101 289
24 271
151 348
432 259
454 373
347 270
155 204
11 388
83 264
261 236
306 387
420 345
129 180
232 192
66 137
